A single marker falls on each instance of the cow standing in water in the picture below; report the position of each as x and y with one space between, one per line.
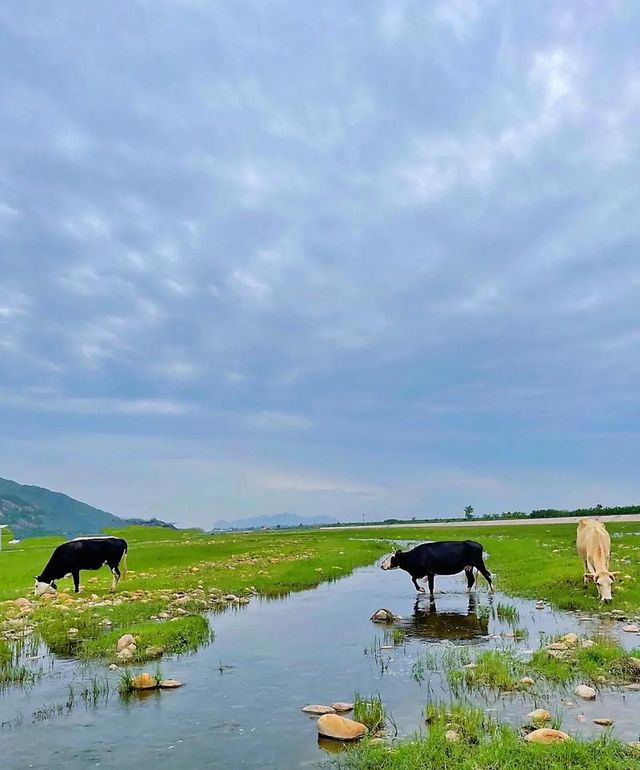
444 558
82 553
594 548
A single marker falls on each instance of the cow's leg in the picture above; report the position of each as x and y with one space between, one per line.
471 578
485 572
75 574
430 578
115 572
419 588
585 579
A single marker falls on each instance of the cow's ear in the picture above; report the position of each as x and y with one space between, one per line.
614 575
588 576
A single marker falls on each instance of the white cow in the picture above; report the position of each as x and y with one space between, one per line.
594 548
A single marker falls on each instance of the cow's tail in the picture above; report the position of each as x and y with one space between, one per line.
123 561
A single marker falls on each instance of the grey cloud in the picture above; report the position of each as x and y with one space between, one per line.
332 233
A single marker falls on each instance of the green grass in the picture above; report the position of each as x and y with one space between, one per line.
607 662
11 671
502 749
470 723
171 572
540 561
153 639
369 711
494 669
508 613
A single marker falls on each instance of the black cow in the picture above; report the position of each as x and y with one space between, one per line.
82 553
444 558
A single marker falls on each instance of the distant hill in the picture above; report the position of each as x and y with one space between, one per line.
279 520
34 511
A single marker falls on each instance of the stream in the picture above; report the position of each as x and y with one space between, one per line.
242 694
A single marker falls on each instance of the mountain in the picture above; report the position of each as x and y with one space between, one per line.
279 520
33 511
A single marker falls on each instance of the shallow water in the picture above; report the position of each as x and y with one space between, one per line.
240 706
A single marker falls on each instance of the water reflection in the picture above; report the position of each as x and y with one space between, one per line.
426 623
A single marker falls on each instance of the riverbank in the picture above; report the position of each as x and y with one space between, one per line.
172 576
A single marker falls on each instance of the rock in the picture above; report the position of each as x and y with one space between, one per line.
114 667
581 718
570 640
632 628
633 663
561 646
453 736
340 728
547 735
635 686
556 654
603 722
539 605
527 680
22 603
588 643
230 598
244 600
124 642
73 631
154 651
318 710
341 706
586 692
634 745
170 684
125 654
144 682
383 616
106 622
539 715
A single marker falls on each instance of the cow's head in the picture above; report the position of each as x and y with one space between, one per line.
391 562
604 581
41 588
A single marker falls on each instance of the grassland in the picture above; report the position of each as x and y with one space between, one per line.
173 576
540 561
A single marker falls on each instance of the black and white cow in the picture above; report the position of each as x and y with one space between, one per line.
447 557
82 553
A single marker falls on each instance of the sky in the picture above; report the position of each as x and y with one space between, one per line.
354 259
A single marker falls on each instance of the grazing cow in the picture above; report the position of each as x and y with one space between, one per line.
594 548
82 553
444 558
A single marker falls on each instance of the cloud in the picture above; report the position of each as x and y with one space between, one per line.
392 246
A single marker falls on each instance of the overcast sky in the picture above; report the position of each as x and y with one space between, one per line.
336 258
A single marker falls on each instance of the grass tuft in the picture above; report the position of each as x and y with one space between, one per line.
370 712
